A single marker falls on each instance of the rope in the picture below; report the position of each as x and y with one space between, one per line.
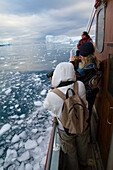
92 21
90 18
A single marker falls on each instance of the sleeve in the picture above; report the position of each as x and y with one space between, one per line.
53 103
79 44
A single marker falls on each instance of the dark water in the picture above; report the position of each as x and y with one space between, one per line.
23 87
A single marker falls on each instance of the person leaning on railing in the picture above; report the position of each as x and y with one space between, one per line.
88 68
74 147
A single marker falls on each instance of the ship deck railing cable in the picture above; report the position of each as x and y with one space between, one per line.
91 19
50 147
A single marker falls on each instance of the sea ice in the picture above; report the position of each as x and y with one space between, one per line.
21 144
16 146
7 91
36 166
29 121
22 116
20 121
5 128
10 157
43 92
28 166
15 138
21 167
16 105
14 127
1 151
22 135
25 156
30 144
34 130
14 117
37 103
1 161
1 168
40 139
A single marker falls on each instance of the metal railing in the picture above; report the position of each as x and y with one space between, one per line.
52 145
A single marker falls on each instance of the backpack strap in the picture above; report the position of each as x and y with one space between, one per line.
59 93
76 87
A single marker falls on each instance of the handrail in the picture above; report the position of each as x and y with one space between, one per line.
50 147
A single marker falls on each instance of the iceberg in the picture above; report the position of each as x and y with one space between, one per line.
4 43
58 39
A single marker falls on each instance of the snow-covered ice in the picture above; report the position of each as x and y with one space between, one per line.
5 128
37 103
43 92
34 130
22 135
10 157
30 144
28 166
25 156
15 138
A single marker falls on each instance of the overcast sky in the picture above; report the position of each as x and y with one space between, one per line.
34 19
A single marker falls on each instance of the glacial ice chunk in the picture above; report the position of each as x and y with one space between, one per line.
25 156
36 166
1 151
10 157
22 135
37 103
28 166
21 167
7 91
22 116
5 128
15 139
30 144
43 92
34 130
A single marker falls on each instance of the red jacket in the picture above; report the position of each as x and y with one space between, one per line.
87 39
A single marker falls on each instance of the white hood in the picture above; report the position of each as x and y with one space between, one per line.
63 72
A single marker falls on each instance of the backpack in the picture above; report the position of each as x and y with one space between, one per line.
74 112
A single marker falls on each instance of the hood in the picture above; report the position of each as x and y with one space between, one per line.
63 72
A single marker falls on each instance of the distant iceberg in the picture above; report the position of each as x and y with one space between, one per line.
58 39
4 43
63 39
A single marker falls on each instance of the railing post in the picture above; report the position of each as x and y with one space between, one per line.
50 149
56 146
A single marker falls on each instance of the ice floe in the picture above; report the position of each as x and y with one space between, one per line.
5 128
15 138
25 156
37 103
30 144
43 92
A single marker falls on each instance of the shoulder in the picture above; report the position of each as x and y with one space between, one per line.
81 85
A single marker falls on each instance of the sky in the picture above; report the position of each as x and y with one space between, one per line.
27 20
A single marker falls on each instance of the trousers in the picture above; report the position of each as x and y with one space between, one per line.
75 148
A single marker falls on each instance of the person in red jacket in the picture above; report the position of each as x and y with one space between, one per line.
85 38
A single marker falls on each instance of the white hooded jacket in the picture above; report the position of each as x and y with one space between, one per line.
64 72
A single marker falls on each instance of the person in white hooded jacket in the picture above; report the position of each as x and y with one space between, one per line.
74 147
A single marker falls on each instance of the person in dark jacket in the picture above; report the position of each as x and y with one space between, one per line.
85 38
88 68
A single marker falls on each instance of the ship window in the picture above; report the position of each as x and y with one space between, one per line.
110 80
100 30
